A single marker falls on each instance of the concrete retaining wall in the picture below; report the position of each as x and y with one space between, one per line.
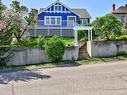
35 55
106 48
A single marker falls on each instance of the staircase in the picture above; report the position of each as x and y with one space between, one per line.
83 50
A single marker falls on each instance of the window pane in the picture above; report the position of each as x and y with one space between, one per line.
47 21
55 8
58 8
52 20
58 20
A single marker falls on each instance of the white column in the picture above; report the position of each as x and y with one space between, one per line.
88 35
76 37
91 35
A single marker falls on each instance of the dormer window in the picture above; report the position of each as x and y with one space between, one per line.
58 8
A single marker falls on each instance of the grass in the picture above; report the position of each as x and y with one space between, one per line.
69 40
92 60
66 40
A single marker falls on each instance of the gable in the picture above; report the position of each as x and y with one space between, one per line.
58 7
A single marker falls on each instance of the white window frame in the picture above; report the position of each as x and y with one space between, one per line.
82 21
50 20
68 19
57 10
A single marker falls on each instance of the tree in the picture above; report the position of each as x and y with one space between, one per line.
18 19
107 26
2 7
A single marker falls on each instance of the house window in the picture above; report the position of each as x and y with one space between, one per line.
47 20
53 20
84 21
58 20
58 8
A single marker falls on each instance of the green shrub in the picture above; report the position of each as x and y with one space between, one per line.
41 41
54 48
4 56
121 53
123 37
82 34
27 42
124 31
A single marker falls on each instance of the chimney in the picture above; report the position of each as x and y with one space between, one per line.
113 7
125 5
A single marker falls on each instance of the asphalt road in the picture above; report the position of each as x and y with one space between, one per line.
100 79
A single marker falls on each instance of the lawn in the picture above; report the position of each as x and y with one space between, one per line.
66 40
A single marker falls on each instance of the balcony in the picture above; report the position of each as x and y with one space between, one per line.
64 24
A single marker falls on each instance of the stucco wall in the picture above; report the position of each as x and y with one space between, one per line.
106 48
35 55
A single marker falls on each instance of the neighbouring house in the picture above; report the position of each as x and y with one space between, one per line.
59 19
120 13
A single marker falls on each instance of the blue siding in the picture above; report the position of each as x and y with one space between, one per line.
63 15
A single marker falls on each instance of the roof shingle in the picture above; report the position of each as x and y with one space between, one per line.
83 13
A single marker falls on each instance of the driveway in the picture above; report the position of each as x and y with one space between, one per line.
99 79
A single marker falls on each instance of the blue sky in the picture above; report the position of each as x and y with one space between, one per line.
95 7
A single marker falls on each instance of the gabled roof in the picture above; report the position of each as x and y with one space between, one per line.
61 4
122 10
82 12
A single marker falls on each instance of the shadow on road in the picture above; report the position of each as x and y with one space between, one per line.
25 76
68 64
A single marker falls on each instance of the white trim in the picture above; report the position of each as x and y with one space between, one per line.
83 27
68 20
62 5
55 20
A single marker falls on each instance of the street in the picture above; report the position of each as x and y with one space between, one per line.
94 79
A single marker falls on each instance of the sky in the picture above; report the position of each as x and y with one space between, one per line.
95 7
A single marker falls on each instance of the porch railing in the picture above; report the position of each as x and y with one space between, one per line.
63 24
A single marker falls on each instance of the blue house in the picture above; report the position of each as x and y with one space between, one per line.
59 19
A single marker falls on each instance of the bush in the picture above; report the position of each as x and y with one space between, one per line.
4 56
121 53
123 37
124 31
41 41
27 42
54 48
82 34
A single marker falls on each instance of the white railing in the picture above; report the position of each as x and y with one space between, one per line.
64 24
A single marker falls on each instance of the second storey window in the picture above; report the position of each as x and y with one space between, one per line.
52 20
58 8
